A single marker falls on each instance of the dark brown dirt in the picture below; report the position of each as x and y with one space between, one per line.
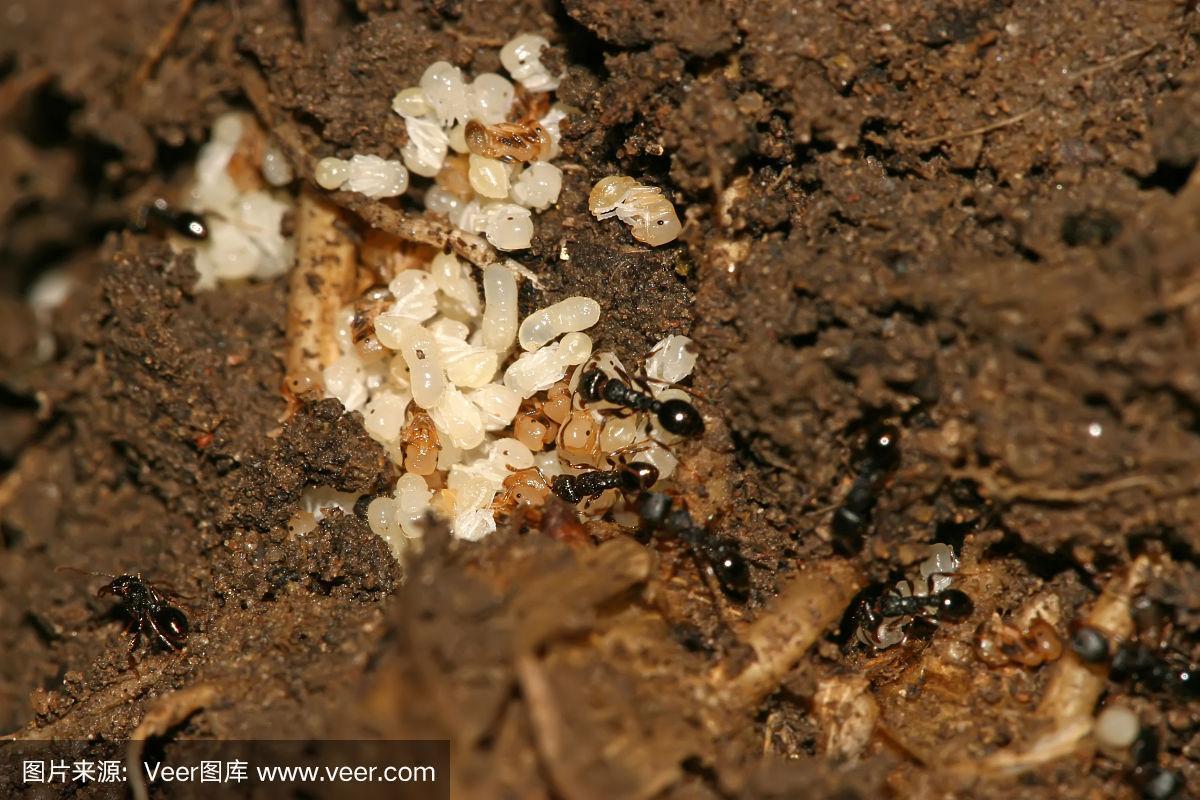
976 220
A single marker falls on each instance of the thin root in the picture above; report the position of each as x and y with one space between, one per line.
166 712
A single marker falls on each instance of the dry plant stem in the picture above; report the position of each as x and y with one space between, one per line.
161 43
166 712
378 215
1073 689
322 281
805 608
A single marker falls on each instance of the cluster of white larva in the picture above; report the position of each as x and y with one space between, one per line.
645 209
239 187
480 189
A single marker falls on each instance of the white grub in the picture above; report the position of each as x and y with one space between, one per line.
500 308
509 226
497 404
538 186
467 365
427 145
397 519
672 359
488 177
650 215
376 177
276 169
317 500
383 416
522 58
445 92
427 379
566 316
346 380
458 419
846 713
489 98
454 281
416 295
330 173
576 348
411 102
536 371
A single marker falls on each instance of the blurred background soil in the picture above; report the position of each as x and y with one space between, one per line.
974 218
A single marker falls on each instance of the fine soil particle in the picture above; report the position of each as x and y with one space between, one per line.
973 220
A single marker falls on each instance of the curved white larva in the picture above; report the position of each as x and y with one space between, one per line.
509 226
576 348
536 371
538 186
498 404
511 455
376 177
426 377
331 173
411 102
572 314
489 98
671 360
446 92
416 295
427 145
488 177
500 308
383 416
454 281
458 419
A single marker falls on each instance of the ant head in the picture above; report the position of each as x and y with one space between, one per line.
1090 645
653 507
883 443
680 418
954 605
590 384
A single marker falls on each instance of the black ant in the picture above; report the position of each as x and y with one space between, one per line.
948 605
1134 662
676 416
632 477
1154 781
145 605
724 558
879 458
184 223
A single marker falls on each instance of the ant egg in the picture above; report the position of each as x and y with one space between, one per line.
499 325
331 173
445 92
458 418
538 186
426 149
489 98
488 177
411 102
566 316
509 227
1117 727
376 177
671 360
522 58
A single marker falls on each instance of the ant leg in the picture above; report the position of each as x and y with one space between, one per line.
162 637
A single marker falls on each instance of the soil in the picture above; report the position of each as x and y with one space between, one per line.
972 219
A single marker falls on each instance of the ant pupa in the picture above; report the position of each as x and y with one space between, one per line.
508 141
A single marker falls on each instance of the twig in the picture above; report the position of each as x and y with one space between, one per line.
161 44
373 212
166 712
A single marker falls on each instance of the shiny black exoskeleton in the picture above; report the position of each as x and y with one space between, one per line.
184 223
1135 662
722 556
879 458
1090 645
146 606
633 477
675 415
952 605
